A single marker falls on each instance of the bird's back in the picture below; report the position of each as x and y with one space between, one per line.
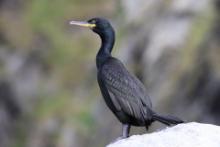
125 91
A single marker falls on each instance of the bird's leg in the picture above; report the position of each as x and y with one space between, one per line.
125 130
146 128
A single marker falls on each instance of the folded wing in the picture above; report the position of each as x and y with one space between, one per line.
127 93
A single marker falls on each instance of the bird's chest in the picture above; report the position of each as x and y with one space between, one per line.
105 93
103 88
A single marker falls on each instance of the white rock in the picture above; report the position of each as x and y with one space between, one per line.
182 135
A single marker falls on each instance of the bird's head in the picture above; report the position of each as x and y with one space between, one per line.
98 25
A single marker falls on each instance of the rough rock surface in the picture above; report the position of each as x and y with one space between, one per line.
182 135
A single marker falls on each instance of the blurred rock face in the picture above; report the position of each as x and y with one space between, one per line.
48 82
177 57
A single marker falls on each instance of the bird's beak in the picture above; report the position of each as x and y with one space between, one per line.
83 24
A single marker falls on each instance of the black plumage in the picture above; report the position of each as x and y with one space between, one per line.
124 94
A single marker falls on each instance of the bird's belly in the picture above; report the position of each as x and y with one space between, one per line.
127 119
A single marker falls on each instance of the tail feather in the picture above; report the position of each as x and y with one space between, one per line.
167 120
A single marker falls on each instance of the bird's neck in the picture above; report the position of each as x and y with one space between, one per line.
107 43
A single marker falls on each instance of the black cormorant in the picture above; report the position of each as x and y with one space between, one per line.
124 94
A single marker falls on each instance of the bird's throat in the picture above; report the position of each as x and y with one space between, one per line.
107 43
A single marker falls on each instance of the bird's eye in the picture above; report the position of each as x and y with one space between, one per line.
93 21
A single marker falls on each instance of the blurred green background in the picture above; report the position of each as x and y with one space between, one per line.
49 96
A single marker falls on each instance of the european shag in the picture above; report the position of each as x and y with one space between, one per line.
123 92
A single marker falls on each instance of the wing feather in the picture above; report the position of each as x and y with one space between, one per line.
126 91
